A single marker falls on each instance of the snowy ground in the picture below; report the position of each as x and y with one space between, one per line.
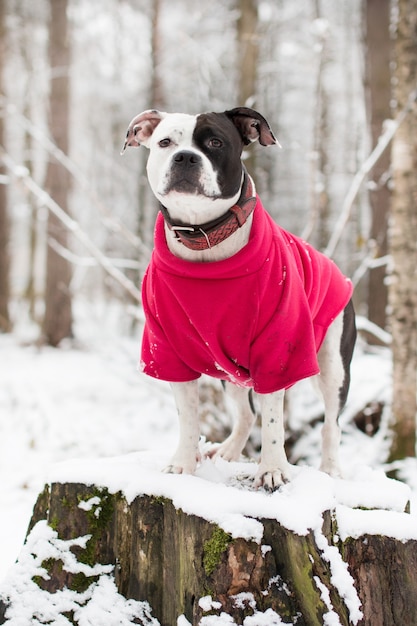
90 403
82 402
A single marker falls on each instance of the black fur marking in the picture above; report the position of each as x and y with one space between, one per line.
347 344
226 158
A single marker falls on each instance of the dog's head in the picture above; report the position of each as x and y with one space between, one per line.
195 159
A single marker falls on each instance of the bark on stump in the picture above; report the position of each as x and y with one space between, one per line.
172 559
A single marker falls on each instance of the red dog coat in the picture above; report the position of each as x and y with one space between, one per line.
257 319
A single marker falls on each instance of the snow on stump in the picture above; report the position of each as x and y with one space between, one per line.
127 544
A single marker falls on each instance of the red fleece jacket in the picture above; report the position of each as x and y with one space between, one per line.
257 319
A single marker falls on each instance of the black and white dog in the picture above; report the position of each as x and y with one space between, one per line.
230 294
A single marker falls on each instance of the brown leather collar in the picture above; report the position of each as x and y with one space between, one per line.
205 236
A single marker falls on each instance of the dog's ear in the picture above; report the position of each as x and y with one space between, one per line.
141 128
252 126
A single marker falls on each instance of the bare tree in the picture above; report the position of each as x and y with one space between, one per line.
321 208
247 32
377 56
248 48
157 88
57 323
146 201
403 235
30 14
4 217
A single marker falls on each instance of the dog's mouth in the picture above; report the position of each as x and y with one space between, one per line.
184 185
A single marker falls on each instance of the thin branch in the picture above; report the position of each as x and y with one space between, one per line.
369 263
365 325
45 199
391 127
109 221
89 261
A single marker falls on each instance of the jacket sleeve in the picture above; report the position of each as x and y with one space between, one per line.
159 359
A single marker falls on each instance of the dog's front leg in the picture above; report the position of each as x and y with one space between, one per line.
274 469
187 455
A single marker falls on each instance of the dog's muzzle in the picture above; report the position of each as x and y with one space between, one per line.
210 234
185 173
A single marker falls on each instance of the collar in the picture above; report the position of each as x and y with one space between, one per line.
205 236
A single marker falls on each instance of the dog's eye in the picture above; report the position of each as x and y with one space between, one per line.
164 143
215 142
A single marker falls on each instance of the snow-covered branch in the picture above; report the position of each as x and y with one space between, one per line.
89 261
22 174
43 140
365 325
391 127
369 263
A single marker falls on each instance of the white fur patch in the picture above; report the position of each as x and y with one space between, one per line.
191 208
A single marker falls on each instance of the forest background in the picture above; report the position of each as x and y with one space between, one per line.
337 82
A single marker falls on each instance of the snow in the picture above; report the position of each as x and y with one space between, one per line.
84 414
340 577
207 604
355 523
87 505
59 404
259 618
330 618
99 604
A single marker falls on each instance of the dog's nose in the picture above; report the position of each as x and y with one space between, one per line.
187 158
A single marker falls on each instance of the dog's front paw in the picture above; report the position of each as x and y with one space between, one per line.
271 479
173 469
182 465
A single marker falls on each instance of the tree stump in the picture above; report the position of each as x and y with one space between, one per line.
385 571
184 565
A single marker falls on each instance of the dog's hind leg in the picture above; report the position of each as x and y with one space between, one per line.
334 359
232 446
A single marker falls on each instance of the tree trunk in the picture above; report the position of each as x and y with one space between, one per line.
380 567
147 204
57 324
157 96
30 292
378 80
172 560
248 54
403 237
5 324
321 209
247 34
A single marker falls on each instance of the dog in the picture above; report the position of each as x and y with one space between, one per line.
230 294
